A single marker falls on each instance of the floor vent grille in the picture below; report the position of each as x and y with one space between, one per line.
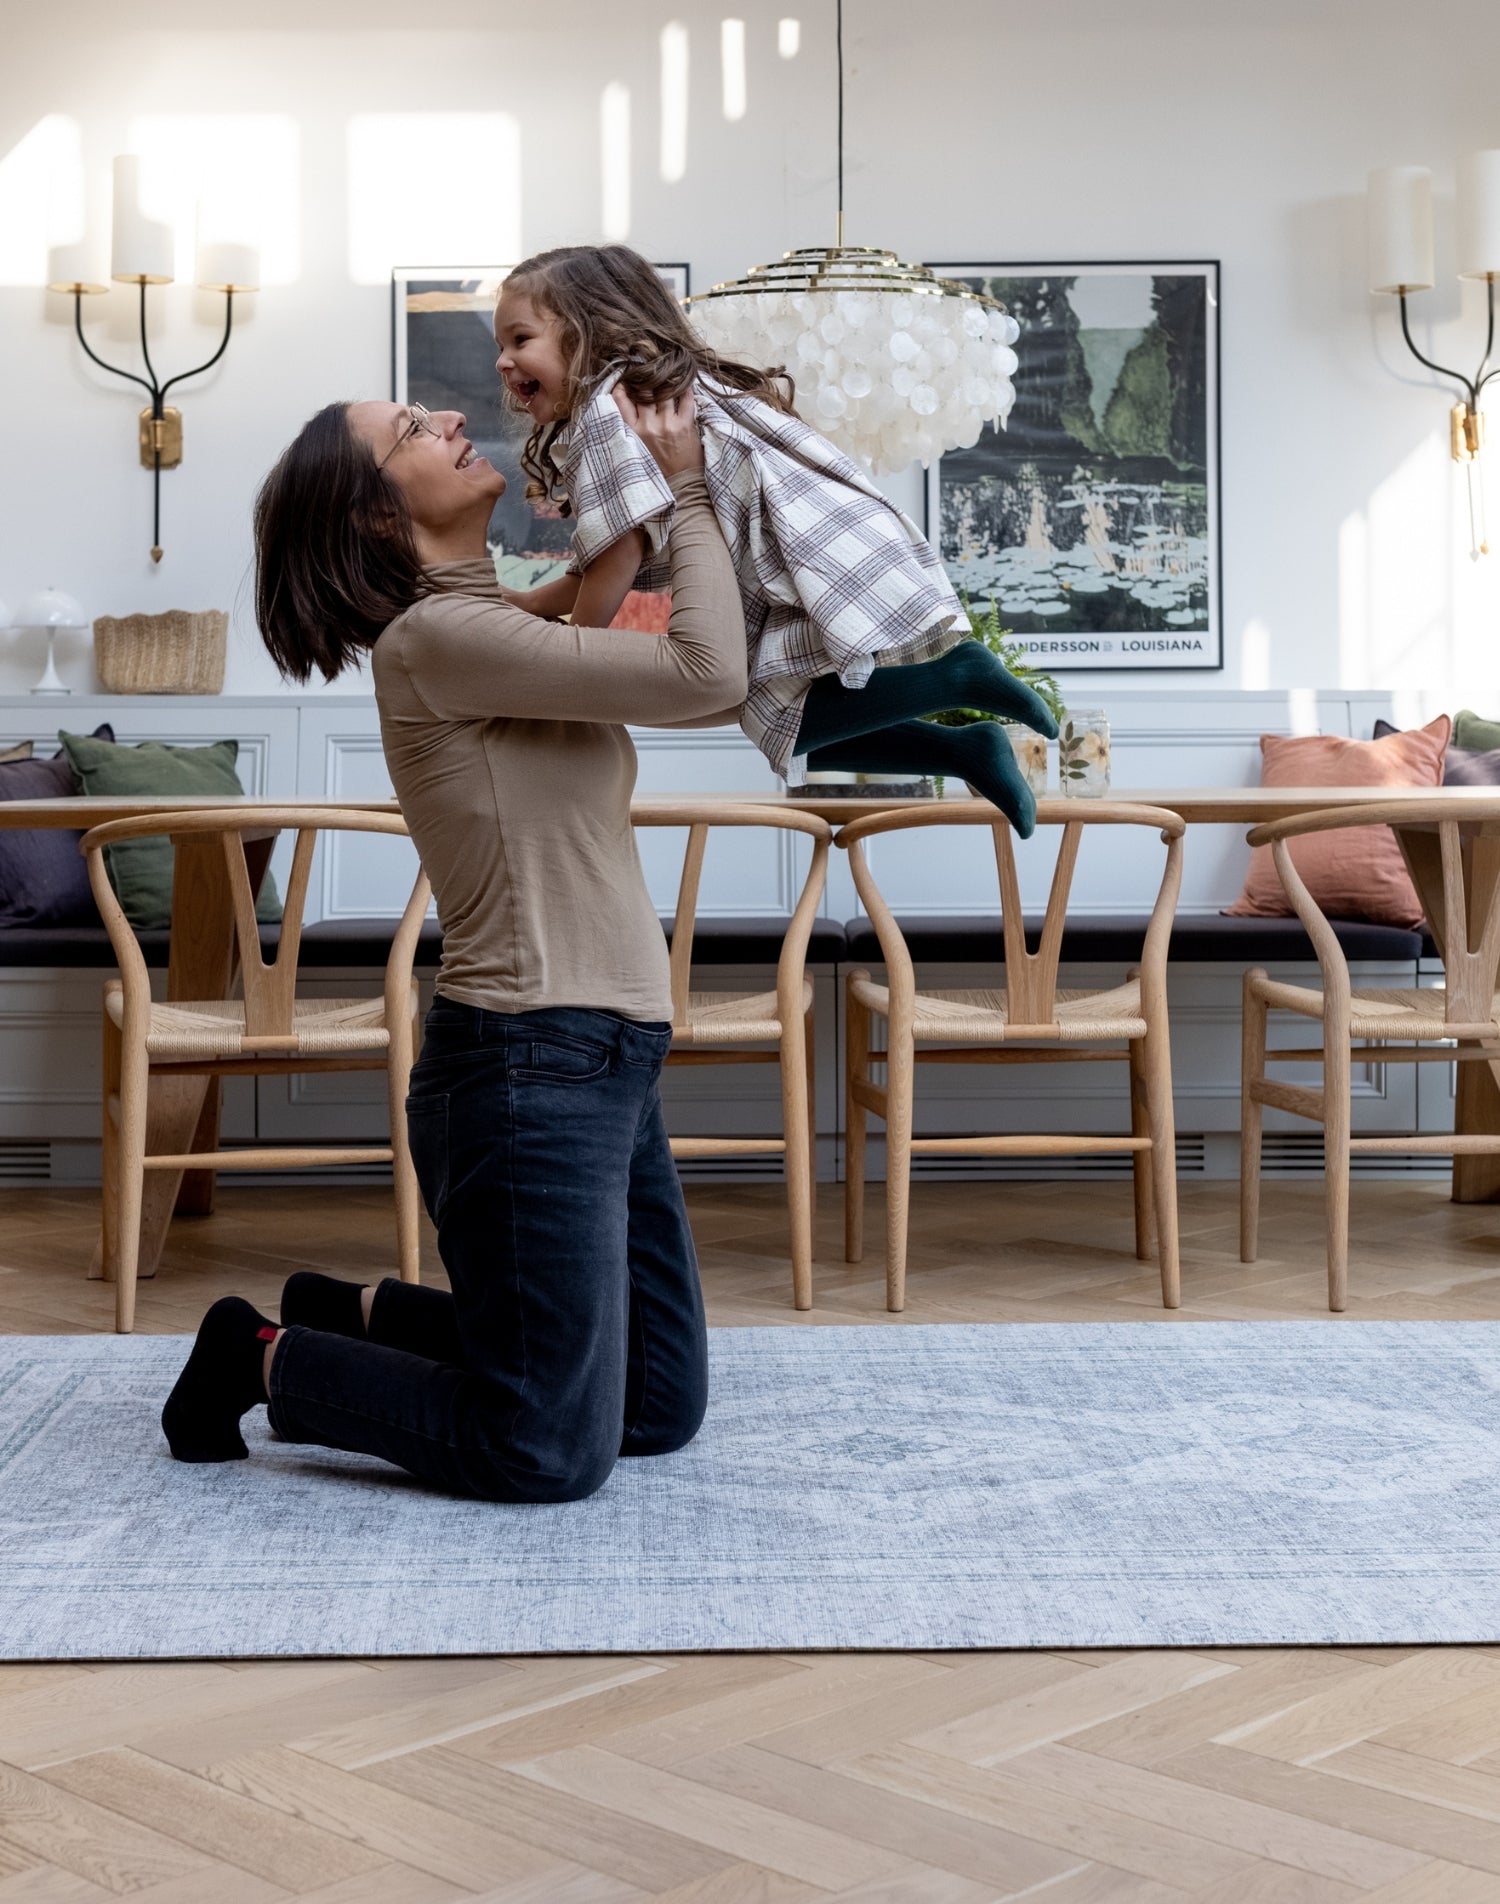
25 1163
1300 1154
766 1168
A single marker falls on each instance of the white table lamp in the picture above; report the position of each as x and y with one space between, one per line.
48 610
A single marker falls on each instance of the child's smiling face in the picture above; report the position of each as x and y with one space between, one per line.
531 357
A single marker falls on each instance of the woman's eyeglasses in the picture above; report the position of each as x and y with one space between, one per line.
421 425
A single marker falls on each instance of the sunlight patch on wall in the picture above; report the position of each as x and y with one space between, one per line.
674 101
224 175
1255 657
1395 577
732 61
1302 711
788 38
614 162
41 198
432 188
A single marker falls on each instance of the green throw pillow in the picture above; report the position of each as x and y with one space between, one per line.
141 870
1474 732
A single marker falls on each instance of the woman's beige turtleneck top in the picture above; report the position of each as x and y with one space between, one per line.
505 740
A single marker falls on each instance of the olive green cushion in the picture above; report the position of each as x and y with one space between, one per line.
141 870
1473 731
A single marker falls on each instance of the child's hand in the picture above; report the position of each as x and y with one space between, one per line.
669 430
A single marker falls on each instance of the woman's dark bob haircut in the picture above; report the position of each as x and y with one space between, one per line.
335 553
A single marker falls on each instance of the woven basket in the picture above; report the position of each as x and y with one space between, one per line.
174 653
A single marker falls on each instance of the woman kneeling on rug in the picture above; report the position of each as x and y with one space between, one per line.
575 1331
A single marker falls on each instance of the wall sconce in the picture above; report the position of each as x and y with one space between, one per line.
141 254
1400 215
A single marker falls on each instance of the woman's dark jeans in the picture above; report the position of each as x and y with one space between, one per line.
575 1332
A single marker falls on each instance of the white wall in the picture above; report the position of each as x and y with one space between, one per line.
976 129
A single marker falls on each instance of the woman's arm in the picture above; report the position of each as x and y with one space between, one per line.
470 657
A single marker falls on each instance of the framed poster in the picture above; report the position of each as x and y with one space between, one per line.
443 355
1093 518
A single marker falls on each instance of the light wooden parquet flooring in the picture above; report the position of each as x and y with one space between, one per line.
1236 1776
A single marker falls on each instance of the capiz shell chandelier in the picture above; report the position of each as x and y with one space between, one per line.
893 363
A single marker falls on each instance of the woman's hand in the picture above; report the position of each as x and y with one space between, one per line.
669 430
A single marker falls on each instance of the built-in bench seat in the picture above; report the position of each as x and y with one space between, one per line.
354 942
938 939
1117 938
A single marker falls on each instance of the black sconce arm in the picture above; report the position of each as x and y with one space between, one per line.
208 362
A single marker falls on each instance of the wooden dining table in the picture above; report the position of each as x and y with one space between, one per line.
184 1113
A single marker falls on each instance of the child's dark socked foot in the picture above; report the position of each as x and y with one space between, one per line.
968 676
322 1302
978 753
223 1378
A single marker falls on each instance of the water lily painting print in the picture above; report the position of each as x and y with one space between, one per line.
443 355
1092 519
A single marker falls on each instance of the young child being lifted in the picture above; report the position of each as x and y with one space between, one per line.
854 630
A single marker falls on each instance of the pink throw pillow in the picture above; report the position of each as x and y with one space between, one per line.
1358 874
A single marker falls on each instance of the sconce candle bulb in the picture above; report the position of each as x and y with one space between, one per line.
141 247
1479 215
1400 224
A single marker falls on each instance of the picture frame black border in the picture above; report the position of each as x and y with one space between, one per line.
930 489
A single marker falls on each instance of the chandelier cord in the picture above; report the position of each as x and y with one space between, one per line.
839 48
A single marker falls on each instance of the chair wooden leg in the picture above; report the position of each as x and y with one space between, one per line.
1140 1126
403 1175
130 1179
1158 1067
898 1120
797 1139
106 1258
1252 1070
810 1057
1336 1118
856 1066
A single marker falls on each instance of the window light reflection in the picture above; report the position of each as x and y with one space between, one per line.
614 160
732 56
674 101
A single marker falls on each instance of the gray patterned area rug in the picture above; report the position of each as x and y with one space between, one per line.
1134 1484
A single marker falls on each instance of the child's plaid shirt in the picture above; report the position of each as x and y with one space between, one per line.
833 577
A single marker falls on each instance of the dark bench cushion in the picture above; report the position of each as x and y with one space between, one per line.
1117 938
1104 939
716 941
757 941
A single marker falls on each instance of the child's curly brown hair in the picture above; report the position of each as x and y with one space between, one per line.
614 309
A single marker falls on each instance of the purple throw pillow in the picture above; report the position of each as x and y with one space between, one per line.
43 880
1462 766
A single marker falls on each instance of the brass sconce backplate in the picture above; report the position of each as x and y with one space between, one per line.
1465 432
164 434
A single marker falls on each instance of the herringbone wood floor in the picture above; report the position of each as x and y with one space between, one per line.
1239 1776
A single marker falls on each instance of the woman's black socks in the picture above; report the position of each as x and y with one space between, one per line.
224 1376
978 753
323 1302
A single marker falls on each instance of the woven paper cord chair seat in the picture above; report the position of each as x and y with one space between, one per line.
215 1028
983 1017
726 1018
1373 1014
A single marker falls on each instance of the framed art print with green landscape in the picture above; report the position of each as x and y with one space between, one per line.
1092 519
